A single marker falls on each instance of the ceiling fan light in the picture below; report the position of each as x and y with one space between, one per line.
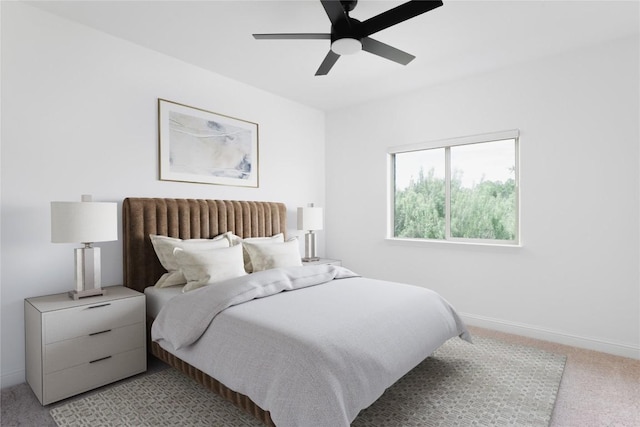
346 46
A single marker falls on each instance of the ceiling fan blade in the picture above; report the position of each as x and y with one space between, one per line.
335 11
295 36
328 62
396 15
384 50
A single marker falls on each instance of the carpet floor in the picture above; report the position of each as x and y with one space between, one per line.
489 383
597 389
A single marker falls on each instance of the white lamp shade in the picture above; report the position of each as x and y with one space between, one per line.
83 222
310 218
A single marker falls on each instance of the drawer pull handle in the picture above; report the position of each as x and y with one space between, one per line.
98 333
98 306
101 359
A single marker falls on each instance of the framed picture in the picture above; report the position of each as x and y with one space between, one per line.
200 146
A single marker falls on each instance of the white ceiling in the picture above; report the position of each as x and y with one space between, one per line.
458 39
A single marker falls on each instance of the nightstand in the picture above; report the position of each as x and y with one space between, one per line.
322 261
73 346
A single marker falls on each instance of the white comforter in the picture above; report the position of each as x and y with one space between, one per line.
314 356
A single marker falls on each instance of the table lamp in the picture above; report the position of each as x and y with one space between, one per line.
85 222
310 220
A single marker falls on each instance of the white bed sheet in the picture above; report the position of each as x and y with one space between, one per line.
157 298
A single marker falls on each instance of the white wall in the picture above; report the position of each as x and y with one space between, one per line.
576 278
79 116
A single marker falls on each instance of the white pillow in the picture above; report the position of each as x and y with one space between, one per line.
264 257
205 267
237 240
164 247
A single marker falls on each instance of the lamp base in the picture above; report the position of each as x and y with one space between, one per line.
87 273
310 247
76 295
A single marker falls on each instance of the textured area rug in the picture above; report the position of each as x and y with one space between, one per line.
489 383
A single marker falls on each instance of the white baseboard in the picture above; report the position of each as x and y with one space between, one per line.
14 378
618 349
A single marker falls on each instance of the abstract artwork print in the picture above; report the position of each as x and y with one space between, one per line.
205 147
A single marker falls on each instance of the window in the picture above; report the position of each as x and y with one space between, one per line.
463 189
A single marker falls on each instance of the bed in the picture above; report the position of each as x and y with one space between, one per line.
295 350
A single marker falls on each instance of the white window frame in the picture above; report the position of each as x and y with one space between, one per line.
447 144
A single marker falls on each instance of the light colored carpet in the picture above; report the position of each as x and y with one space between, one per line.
489 383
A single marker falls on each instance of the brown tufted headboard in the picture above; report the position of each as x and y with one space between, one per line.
188 219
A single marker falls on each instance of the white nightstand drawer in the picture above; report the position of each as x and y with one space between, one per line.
77 351
68 382
78 321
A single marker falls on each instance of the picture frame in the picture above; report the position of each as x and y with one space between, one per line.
201 146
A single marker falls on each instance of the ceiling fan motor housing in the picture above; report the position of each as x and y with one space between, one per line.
349 5
346 37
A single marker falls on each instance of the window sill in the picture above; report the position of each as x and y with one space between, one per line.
452 243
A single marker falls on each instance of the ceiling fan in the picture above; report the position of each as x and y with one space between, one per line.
349 36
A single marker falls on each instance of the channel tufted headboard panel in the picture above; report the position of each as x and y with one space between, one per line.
188 219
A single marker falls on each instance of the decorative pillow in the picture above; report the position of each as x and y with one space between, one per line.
237 240
205 267
264 257
164 247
